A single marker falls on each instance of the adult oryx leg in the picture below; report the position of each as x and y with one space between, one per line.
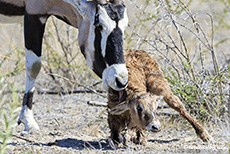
33 31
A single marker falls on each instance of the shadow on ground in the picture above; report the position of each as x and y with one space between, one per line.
81 145
103 144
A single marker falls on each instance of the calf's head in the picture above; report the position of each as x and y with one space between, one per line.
142 109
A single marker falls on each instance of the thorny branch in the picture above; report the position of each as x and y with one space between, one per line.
81 85
187 57
174 17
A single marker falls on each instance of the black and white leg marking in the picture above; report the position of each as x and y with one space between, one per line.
33 29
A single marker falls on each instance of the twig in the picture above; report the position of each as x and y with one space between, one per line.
59 92
57 122
216 68
95 84
70 92
22 138
96 103
81 85
61 43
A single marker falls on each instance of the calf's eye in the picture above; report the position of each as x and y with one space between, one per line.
147 117
139 109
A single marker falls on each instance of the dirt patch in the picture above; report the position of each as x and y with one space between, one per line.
69 125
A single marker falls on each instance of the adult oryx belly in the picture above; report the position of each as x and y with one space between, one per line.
10 19
11 11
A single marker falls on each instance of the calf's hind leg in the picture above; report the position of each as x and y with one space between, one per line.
33 31
159 86
175 103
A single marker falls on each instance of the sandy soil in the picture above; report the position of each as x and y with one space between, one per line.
69 125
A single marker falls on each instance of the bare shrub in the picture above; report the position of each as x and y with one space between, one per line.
186 46
62 56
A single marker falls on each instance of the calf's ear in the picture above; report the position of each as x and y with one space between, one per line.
119 109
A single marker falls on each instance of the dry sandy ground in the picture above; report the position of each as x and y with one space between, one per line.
69 125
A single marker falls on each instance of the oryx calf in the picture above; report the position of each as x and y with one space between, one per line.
101 24
135 109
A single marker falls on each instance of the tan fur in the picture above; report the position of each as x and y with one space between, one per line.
146 76
123 116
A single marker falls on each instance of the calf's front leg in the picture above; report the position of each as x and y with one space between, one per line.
116 125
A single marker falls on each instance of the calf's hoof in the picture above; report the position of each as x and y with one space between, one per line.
117 139
140 141
204 136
